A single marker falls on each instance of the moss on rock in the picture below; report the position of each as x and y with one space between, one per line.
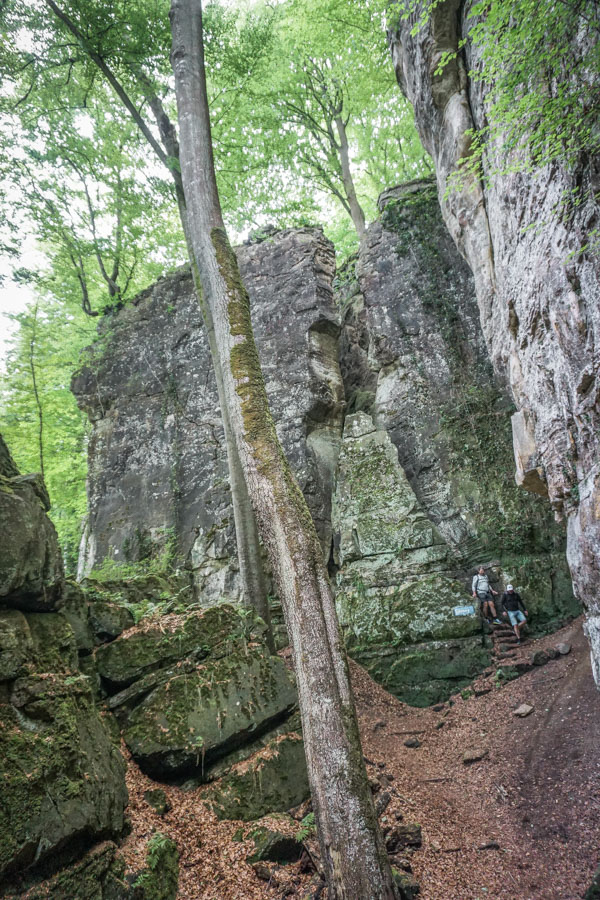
273 780
156 644
16 644
192 719
273 846
427 673
31 569
98 876
62 775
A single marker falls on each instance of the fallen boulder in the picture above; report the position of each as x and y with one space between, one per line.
191 720
273 846
273 780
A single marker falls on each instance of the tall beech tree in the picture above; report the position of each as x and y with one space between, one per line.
354 857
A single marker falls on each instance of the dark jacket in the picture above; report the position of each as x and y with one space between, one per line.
511 601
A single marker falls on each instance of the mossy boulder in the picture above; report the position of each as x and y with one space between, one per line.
62 774
141 591
193 719
157 643
109 620
273 846
99 875
429 673
31 569
157 799
273 780
94 618
417 610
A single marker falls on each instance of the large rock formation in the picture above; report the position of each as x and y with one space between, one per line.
197 692
537 287
424 488
31 569
62 773
157 467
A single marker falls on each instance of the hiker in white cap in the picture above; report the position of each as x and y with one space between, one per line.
514 608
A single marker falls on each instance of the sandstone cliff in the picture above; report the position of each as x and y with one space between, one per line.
157 466
418 490
537 287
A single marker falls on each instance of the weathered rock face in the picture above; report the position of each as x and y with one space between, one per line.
413 354
194 692
396 594
62 775
538 288
424 487
157 467
31 569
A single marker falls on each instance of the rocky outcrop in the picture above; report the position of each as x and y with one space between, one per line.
157 469
63 785
194 692
537 287
396 594
31 569
425 490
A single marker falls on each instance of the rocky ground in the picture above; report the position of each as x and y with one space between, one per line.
522 822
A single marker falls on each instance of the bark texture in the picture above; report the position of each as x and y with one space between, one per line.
356 210
354 857
537 287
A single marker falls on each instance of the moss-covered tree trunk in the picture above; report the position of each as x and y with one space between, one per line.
246 532
355 862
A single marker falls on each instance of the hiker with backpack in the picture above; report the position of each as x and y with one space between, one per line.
514 608
483 591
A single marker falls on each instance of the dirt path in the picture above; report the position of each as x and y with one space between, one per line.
523 823
536 793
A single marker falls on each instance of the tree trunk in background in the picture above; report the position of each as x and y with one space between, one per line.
36 394
356 210
354 858
246 532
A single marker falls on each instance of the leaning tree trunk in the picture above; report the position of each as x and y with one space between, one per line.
356 210
356 865
249 554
